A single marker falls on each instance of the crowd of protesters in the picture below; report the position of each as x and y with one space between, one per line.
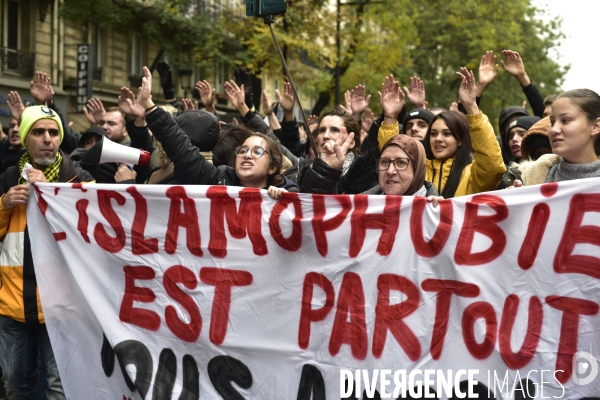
409 150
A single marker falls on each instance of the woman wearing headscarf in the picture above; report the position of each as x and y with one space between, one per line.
402 169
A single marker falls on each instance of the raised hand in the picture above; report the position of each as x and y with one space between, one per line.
513 64
166 79
368 120
335 151
454 106
358 102
488 69
244 80
348 101
41 89
188 104
236 95
15 104
207 95
416 94
391 99
94 111
146 90
467 92
287 100
129 104
267 106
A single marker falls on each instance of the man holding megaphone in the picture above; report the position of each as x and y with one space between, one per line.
106 151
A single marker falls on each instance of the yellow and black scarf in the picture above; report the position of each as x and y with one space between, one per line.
51 172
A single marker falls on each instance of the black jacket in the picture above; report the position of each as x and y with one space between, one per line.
319 177
8 155
190 167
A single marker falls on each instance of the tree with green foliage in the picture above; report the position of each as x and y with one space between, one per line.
455 33
430 39
306 34
181 28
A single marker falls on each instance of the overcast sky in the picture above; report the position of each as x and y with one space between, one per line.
580 48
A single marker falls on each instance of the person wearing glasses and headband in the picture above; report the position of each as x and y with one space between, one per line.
256 163
402 170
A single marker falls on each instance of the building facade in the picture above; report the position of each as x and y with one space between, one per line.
35 38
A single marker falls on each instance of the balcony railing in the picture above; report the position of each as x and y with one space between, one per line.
17 61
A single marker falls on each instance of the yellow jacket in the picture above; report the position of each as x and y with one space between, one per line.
482 175
12 233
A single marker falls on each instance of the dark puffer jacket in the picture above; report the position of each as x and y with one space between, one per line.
318 177
190 167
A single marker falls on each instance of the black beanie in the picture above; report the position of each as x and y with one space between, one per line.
523 122
508 112
420 113
93 130
201 127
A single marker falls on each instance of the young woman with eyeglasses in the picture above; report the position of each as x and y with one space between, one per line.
257 162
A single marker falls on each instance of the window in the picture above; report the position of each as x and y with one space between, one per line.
11 25
135 55
94 37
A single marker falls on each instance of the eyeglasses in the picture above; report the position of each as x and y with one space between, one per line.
399 163
255 152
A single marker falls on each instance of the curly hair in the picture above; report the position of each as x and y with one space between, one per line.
276 156
350 124
231 137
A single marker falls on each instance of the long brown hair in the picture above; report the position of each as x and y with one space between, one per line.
458 124
589 102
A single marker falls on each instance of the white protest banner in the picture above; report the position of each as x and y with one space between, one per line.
188 292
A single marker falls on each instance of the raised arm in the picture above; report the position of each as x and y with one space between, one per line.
358 102
269 110
287 101
488 166
513 64
488 70
392 100
207 95
189 165
416 94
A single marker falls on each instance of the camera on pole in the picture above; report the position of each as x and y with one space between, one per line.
266 9
263 8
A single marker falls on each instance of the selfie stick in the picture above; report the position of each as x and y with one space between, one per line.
269 20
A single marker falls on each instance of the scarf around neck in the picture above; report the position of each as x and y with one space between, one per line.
50 172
